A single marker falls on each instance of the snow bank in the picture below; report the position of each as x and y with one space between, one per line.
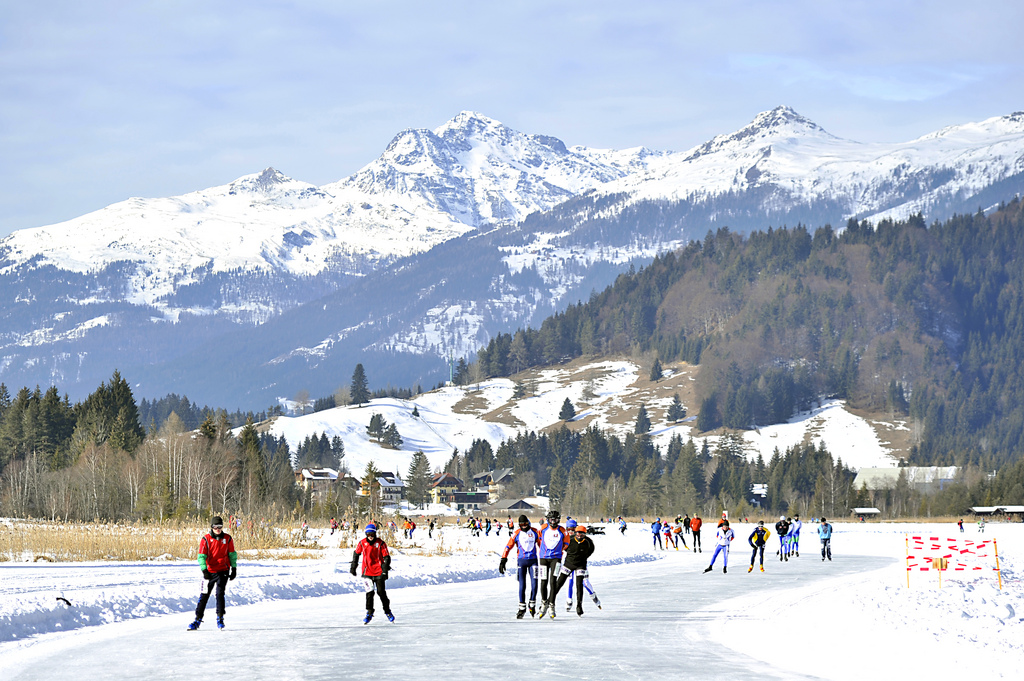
102 593
966 629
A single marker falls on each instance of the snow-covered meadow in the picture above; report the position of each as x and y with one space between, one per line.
850 618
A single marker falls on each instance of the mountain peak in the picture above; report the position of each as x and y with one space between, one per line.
780 123
263 182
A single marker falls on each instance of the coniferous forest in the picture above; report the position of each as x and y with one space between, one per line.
924 322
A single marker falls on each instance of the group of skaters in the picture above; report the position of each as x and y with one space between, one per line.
549 557
788 531
674 532
477 526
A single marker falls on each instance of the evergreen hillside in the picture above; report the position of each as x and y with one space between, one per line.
914 319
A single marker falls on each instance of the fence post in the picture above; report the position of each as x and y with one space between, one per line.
999 574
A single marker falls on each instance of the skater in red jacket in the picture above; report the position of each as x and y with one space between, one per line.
218 561
376 565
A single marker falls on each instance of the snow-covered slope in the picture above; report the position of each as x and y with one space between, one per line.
607 395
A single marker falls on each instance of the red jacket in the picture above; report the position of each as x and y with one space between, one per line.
375 556
216 554
695 524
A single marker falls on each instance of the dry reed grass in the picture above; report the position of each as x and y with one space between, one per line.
64 542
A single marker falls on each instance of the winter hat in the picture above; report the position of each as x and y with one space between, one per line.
216 520
782 517
580 528
524 519
370 527
571 524
760 523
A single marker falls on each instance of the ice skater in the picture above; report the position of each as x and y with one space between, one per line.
219 563
723 536
656 530
695 526
757 540
794 536
782 529
580 548
376 565
525 539
825 534
553 542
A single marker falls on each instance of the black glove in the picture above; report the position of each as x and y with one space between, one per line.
207 575
384 575
501 566
352 569
233 573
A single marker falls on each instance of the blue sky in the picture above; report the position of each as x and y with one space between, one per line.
102 101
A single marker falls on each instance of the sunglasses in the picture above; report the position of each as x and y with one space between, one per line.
216 527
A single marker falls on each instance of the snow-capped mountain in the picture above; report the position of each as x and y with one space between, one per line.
246 292
426 188
801 163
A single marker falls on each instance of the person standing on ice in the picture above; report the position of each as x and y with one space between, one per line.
667 529
722 539
219 563
525 539
376 565
656 529
794 536
622 526
825 534
695 526
782 529
553 542
960 524
580 548
757 540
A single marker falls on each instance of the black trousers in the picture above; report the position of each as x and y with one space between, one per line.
548 567
564 575
696 540
376 584
754 554
219 581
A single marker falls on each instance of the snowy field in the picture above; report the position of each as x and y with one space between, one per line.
662 616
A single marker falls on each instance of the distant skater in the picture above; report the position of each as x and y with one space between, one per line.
723 536
825 534
757 540
695 525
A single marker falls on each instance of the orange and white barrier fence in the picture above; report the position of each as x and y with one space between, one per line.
959 555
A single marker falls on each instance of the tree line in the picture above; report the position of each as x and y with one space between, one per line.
918 321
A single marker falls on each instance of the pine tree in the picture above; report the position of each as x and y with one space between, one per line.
418 480
391 439
337 450
208 429
359 393
676 410
643 422
656 370
378 425
568 412
519 390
